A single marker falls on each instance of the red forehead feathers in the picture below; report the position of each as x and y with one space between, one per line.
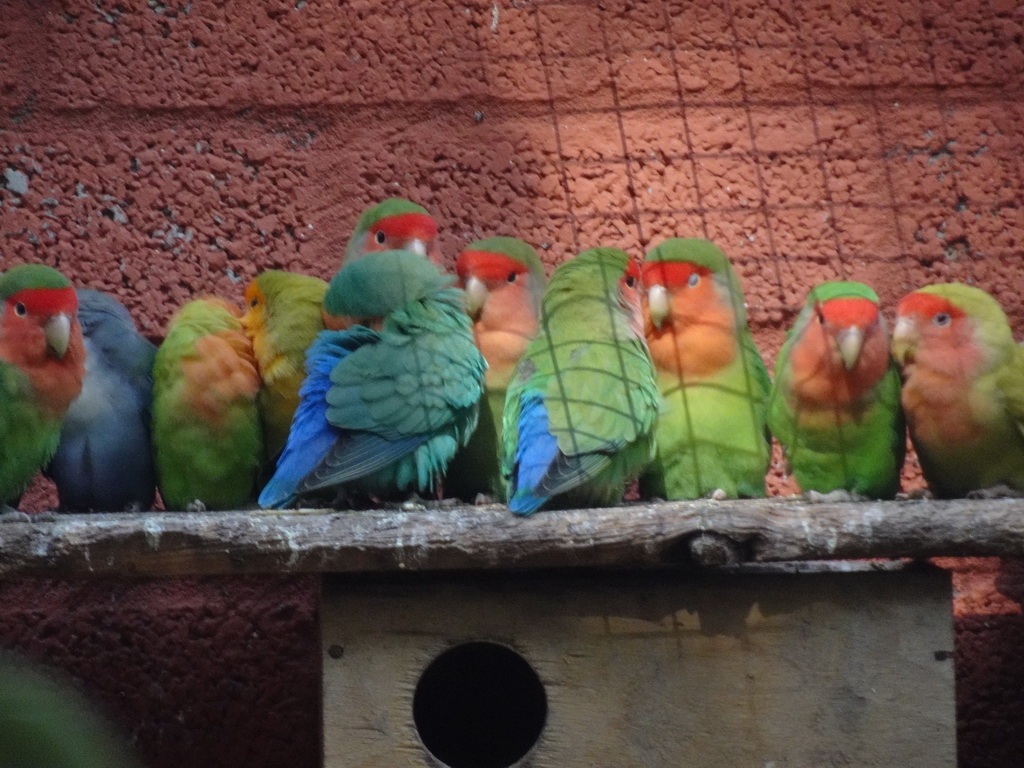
632 270
672 274
928 305
487 265
407 225
46 301
852 310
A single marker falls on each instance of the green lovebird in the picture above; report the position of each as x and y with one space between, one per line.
712 435
504 280
580 411
835 405
282 318
207 438
385 404
963 388
42 364
45 722
394 224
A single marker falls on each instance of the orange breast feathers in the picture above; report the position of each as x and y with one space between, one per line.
694 334
503 303
935 345
821 375
55 376
222 372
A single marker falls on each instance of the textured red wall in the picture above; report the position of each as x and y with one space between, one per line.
162 148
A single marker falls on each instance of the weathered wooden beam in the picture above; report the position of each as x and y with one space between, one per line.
642 535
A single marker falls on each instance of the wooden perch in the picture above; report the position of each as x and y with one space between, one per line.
704 533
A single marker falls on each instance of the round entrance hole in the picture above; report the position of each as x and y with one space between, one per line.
479 705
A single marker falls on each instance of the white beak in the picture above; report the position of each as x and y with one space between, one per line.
476 295
58 334
659 305
850 342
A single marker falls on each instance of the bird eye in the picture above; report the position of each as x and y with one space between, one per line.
380 236
694 280
942 319
512 276
20 309
254 303
630 281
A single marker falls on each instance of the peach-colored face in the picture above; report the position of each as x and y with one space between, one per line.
25 314
842 352
689 286
933 328
28 340
692 332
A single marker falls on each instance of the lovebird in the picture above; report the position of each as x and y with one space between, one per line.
105 460
963 389
580 412
42 364
45 722
394 224
504 280
207 437
835 403
384 406
282 318
712 436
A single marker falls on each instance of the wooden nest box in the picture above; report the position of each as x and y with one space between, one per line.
706 634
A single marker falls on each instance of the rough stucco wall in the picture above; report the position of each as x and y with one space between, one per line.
161 149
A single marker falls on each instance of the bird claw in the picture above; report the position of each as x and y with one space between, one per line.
12 515
918 494
838 496
1000 491
196 505
484 499
718 495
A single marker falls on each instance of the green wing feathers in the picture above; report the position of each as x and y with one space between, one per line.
207 435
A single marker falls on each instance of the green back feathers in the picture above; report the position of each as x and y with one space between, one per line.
198 318
594 273
375 287
277 284
293 303
28 276
594 375
393 206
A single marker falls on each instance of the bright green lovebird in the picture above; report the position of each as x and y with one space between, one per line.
580 411
963 388
835 404
385 404
207 438
504 280
45 722
42 364
282 318
712 435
